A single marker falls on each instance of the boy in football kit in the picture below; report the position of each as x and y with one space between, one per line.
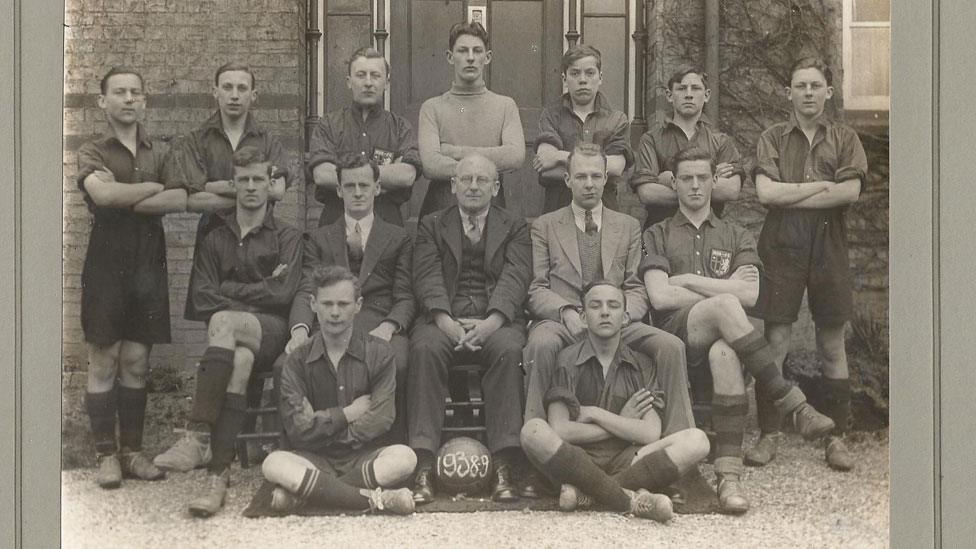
602 439
246 273
808 170
582 115
337 392
125 298
365 128
700 273
653 179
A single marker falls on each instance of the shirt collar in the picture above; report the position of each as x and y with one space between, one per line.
481 217
600 103
703 121
214 123
141 137
371 110
793 124
229 216
624 354
365 224
356 348
681 219
579 214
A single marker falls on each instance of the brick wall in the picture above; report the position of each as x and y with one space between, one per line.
176 45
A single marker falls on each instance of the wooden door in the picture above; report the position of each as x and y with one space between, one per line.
526 43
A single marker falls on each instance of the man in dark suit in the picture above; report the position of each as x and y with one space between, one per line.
471 272
379 254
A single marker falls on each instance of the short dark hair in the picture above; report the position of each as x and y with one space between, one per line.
680 74
245 156
329 275
692 154
603 282
103 85
585 149
233 66
472 28
367 52
813 63
578 52
351 161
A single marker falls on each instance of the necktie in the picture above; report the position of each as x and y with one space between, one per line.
473 234
355 242
589 226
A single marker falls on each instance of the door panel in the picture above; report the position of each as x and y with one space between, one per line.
526 43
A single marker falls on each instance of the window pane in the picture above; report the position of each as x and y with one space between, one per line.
871 61
872 10
609 35
605 6
517 72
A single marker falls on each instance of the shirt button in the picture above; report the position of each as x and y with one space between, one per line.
698 272
698 236
364 134
697 252
342 387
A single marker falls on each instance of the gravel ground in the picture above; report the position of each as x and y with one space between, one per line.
796 502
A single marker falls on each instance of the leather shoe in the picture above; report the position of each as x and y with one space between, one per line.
531 487
504 489
423 486
730 498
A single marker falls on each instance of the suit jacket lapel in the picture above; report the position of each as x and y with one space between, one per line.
496 228
566 235
336 238
451 232
610 238
378 241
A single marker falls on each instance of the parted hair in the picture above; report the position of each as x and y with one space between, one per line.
351 161
330 275
103 85
679 75
586 149
472 28
245 156
578 52
234 66
603 282
367 52
691 154
813 63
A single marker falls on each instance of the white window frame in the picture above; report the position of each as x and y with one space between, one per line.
851 101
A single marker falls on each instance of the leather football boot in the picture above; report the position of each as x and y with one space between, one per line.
423 486
503 488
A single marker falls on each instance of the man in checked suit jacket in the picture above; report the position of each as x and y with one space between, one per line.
470 274
578 244
380 254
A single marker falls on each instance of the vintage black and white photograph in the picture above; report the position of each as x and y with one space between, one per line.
439 273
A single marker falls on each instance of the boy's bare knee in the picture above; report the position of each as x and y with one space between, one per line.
221 326
697 442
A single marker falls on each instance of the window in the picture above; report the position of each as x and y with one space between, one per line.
867 55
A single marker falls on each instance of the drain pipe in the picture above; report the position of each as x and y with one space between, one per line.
711 58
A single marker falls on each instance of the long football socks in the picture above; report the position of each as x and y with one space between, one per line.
102 409
216 367
225 431
571 465
132 416
837 403
652 472
729 421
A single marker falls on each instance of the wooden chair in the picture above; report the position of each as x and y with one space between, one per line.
465 412
255 392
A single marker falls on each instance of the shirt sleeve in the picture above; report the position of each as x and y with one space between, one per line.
549 129
322 146
205 290
282 160
436 165
382 386
301 311
767 155
407 150
169 176
852 163
745 250
273 292
89 161
306 427
646 166
728 153
617 140
428 276
655 253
